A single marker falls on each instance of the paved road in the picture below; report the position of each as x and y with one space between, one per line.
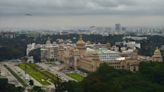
6 74
22 74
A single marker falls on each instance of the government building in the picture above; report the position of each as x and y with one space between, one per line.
88 57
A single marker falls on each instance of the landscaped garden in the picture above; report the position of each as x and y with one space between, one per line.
36 74
75 76
51 76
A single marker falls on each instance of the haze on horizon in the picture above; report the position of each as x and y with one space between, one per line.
67 13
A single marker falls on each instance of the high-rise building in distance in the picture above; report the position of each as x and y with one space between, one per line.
118 27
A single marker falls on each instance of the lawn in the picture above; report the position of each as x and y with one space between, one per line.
51 76
35 74
75 76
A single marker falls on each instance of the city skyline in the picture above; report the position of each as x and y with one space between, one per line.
64 13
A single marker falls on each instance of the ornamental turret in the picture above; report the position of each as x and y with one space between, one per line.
157 55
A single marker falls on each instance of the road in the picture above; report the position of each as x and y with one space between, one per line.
6 74
13 65
21 73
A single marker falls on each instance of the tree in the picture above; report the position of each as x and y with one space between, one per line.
150 78
6 87
153 71
58 85
31 82
106 79
37 89
72 86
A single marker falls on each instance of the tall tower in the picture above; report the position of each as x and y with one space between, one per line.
157 55
61 52
118 27
76 57
80 45
50 50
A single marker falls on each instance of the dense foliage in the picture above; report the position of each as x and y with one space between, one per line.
148 46
36 89
6 87
150 78
13 48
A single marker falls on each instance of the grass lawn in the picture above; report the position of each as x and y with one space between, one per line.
35 74
75 76
51 76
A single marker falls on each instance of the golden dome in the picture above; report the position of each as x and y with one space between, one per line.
80 41
157 53
157 50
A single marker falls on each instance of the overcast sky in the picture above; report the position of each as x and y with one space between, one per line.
63 13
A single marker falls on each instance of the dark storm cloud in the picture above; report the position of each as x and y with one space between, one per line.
81 7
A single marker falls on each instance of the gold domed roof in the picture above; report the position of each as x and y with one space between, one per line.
80 41
157 55
157 51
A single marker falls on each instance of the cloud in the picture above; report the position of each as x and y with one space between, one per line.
81 7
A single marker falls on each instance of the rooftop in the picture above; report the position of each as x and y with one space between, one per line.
100 51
